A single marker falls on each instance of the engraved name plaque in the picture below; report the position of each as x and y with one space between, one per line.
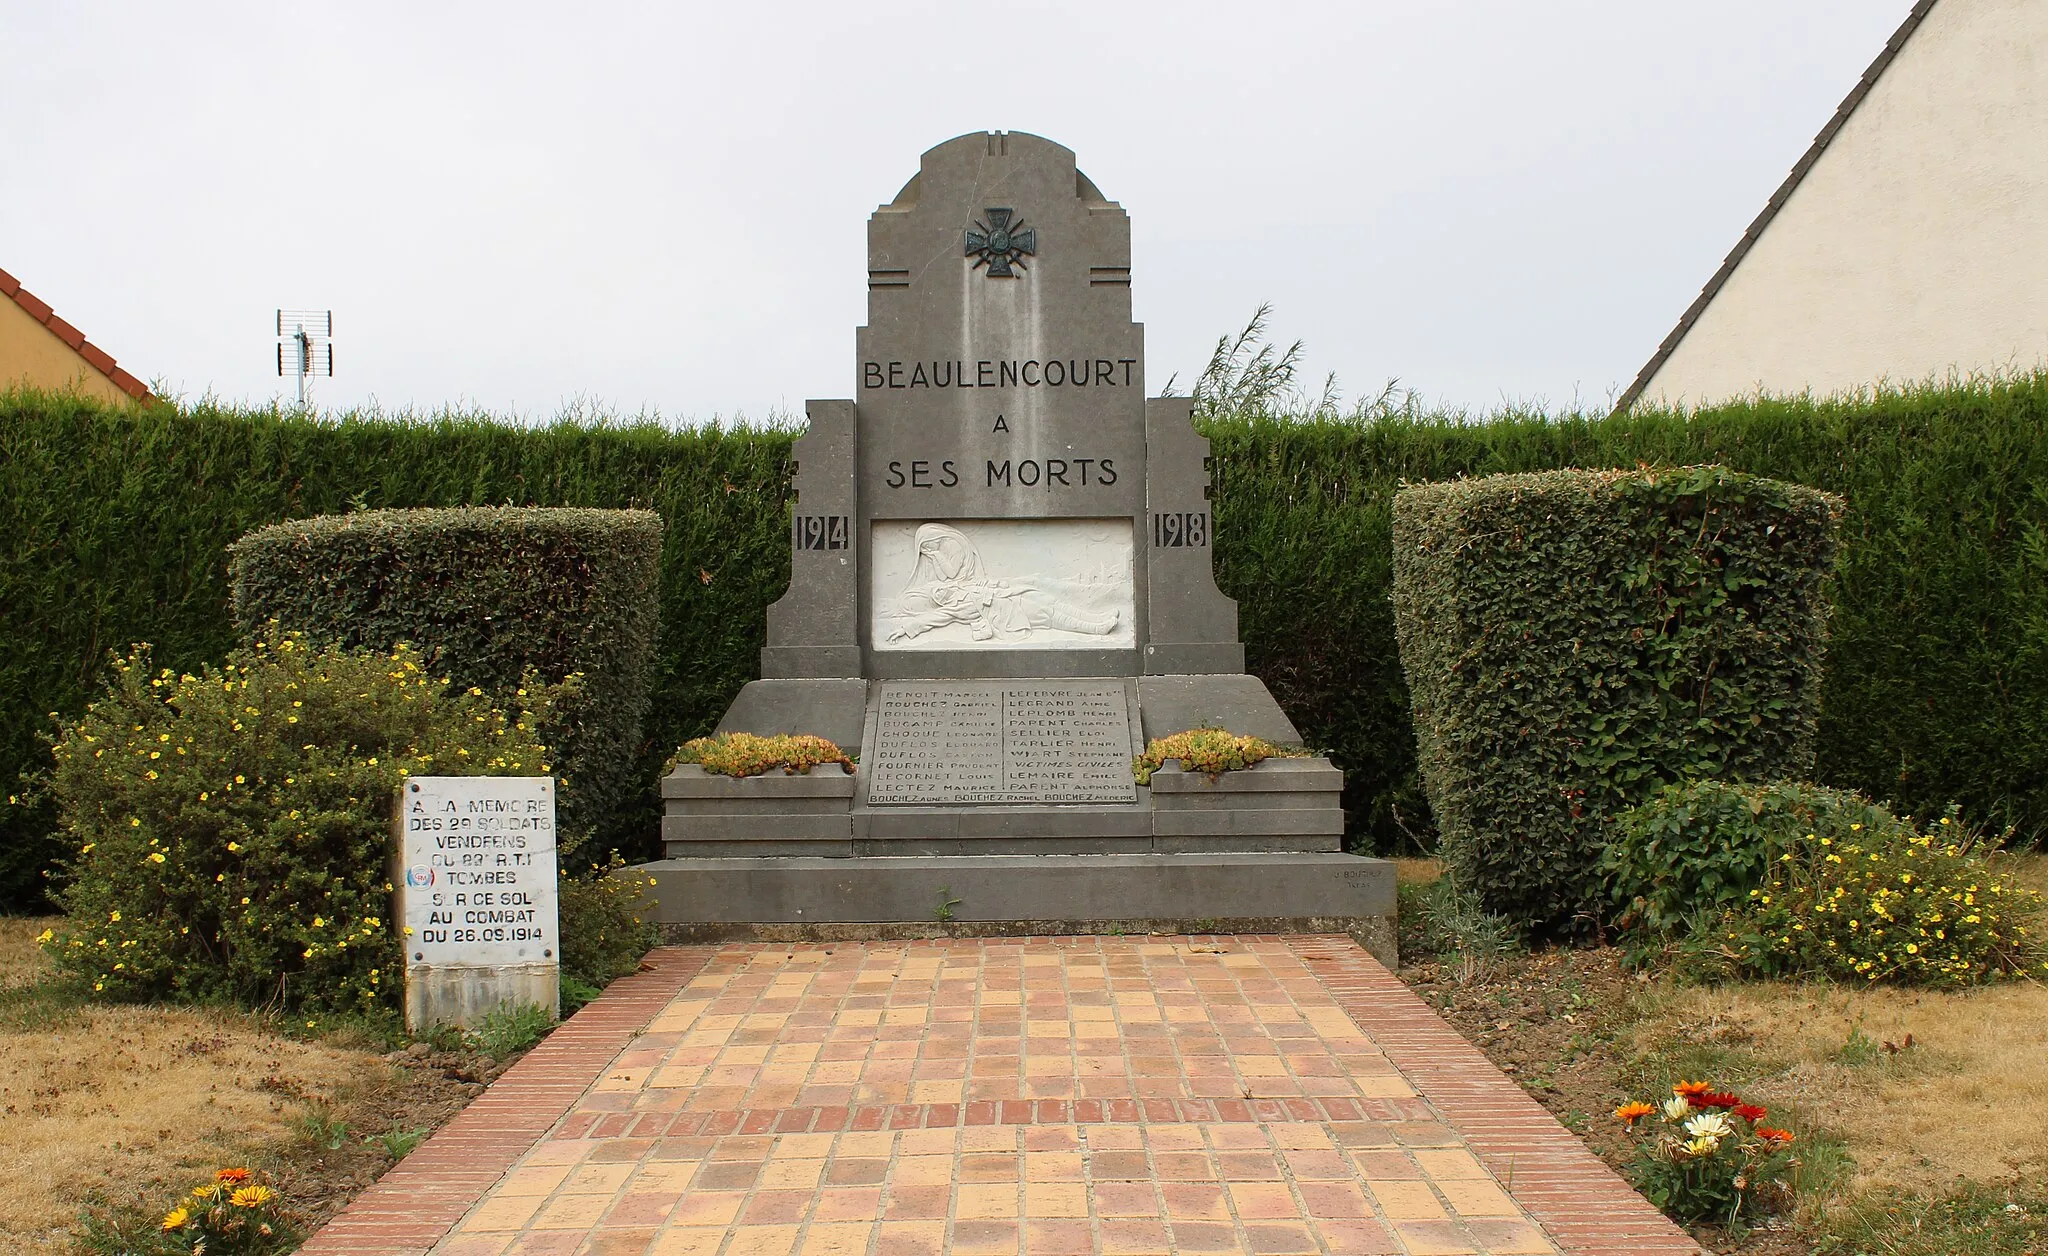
1001 741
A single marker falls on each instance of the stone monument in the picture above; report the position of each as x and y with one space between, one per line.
1001 587
475 880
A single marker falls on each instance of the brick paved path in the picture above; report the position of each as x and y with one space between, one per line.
1038 1096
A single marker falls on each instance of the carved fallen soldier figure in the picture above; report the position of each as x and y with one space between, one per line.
949 585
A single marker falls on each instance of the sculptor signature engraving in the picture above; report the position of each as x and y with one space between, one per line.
949 585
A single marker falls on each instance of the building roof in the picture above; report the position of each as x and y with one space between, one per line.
99 358
1777 202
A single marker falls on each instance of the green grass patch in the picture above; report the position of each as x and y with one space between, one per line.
1973 1220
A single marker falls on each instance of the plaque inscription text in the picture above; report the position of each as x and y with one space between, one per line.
1001 741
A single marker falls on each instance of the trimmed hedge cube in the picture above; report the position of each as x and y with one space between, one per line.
487 593
1574 640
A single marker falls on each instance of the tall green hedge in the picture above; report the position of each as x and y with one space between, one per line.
114 527
1937 664
1575 640
487 593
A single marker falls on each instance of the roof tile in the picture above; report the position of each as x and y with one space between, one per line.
129 384
102 361
64 331
27 300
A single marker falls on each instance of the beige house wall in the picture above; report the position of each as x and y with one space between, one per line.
31 353
1916 246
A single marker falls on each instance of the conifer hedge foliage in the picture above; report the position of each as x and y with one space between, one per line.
114 529
490 595
1574 640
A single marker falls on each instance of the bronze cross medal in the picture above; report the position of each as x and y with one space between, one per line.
999 244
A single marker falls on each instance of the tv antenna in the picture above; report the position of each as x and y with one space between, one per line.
305 346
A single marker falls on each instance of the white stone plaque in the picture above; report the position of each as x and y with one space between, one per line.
476 873
1002 584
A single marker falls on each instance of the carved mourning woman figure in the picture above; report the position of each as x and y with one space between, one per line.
949 585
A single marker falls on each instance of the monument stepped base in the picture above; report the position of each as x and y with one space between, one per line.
816 899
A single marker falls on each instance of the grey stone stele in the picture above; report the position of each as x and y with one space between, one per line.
1000 263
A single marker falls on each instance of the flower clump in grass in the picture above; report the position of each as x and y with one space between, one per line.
744 754
1706 1155
1210 751
235 1214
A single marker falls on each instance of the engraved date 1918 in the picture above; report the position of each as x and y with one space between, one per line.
1180 529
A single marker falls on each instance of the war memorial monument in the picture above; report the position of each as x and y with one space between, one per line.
1001 587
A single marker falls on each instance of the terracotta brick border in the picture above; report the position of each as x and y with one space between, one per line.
1584 1205
413 1207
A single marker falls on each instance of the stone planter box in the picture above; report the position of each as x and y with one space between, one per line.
707 815
1278 805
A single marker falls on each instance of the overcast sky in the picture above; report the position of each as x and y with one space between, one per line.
663 207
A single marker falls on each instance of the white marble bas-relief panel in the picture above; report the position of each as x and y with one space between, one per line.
1002 584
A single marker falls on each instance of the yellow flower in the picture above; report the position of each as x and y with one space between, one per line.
252 1196
156 857
177 1217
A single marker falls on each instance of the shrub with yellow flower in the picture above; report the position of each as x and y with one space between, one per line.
202 870
1890 904
1788 879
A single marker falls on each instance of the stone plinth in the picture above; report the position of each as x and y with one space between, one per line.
706 814
1279 804
941 895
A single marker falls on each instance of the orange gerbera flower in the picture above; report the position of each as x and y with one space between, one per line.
1691 1089
1769 1135
1633 1112
231 1176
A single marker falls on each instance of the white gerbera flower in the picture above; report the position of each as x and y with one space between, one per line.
1676 1108
1709 1125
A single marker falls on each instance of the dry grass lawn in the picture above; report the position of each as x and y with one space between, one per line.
1968 1100
21 960
133 1101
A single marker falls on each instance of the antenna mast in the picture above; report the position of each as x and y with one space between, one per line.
305 346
